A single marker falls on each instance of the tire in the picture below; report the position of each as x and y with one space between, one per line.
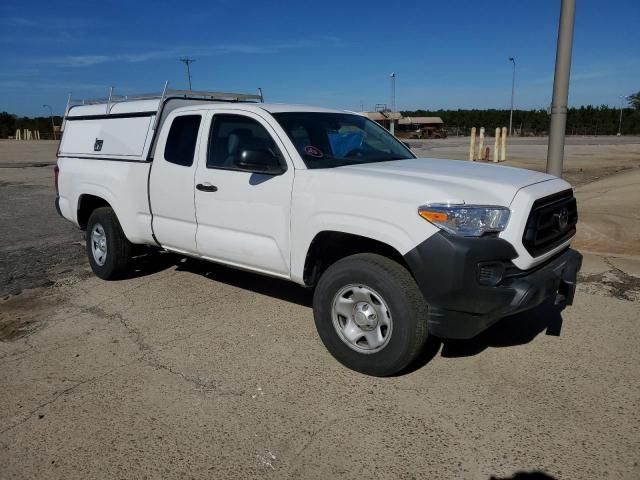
114 262
356 285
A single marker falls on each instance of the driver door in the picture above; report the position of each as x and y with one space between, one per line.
243 217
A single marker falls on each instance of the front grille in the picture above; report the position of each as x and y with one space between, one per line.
551 222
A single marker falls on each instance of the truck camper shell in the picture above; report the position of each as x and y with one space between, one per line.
123 127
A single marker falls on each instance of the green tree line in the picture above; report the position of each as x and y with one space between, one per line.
585 120
9 123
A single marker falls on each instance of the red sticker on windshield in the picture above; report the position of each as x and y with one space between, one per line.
313 151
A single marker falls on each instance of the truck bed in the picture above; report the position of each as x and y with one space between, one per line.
121 183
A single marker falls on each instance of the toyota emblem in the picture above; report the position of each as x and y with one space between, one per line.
562 218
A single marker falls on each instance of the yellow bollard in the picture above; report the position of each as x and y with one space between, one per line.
503 149
472 145
496 146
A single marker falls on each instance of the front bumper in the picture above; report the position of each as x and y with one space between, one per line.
471 283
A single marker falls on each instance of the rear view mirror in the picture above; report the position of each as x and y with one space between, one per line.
259 161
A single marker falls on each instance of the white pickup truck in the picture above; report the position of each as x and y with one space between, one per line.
395 247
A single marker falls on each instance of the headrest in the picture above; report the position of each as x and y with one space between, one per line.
236 137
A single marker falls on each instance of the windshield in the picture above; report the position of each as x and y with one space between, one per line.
326 140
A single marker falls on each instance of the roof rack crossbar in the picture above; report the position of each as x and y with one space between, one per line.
167 92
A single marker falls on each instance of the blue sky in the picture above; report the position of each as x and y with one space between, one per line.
446 54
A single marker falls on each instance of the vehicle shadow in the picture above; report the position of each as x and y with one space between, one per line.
534 475
517 329
147 261
270 286
510 331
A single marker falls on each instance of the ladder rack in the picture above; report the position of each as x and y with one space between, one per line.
168 92
165 94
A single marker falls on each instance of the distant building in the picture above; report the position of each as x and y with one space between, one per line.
409 127
421 127
417 122
383 117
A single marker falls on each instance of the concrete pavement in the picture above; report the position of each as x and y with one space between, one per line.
188 369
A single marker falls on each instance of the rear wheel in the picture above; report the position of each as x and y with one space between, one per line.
108 249
370 314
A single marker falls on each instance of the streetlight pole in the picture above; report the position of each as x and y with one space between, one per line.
555 151
393 102
53 127
188 61
513 89
622 99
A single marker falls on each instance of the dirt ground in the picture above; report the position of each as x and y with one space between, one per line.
188 369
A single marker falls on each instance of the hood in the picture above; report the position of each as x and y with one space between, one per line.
455 181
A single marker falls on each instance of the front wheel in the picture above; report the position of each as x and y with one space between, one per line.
108 249
370 314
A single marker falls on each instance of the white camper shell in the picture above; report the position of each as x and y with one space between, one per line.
123 128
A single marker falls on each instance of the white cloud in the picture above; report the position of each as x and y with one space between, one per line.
19 21
209 51
68 87
596 71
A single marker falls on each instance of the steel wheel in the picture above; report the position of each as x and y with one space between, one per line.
361 318
99 244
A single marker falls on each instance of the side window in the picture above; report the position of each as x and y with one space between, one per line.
233 134
181 142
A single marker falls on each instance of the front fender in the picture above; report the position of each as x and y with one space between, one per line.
398 236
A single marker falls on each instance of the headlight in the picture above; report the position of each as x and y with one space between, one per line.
466 220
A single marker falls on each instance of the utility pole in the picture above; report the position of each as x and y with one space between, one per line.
555 151
53 127
513 88
188 61
393 102
622 99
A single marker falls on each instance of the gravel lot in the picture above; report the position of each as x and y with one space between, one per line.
188 369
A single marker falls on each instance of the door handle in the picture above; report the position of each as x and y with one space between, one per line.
206 187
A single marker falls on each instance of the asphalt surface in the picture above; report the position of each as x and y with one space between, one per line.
187 369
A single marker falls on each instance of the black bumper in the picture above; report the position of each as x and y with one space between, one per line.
471 283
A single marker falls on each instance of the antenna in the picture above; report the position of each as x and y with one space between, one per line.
188 61
393 91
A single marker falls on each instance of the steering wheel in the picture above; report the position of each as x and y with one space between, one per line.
355 152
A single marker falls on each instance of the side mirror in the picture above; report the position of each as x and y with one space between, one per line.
259 161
